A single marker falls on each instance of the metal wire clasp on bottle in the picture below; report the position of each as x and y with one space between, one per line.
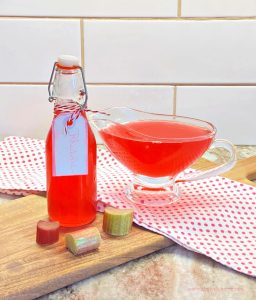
83 92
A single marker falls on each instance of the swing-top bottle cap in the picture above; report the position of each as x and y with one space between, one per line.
68 61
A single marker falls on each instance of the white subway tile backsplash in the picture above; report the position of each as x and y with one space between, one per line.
154 51
90 8
230 109
25 111
158 99
218 8
29 47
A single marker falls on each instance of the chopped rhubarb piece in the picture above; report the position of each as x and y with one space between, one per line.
47 232
117 222
82 241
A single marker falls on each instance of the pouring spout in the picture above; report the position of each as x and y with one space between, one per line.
118 116
139 125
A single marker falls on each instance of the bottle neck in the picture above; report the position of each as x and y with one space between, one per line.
68 90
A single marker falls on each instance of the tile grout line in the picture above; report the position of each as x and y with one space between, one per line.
173 84
179 8
174 100
177 84
82 42
142 18
23 83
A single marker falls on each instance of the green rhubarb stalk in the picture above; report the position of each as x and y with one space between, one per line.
117 222
82 241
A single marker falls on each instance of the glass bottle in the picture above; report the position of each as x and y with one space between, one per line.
70 148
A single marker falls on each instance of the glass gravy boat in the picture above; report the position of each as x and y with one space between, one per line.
157 149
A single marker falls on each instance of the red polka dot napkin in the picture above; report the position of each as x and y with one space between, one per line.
22 166
215 217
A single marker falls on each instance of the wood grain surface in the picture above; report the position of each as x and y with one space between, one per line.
28 271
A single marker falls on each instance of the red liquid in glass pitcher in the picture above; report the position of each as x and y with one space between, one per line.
155 148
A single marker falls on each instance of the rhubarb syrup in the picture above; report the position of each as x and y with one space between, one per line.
71 198
156 148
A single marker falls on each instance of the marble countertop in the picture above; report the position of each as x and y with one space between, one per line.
173 273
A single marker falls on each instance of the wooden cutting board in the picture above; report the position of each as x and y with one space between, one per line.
28 271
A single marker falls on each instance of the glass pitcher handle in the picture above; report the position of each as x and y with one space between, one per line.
218 143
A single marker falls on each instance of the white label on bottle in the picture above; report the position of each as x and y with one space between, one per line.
70 146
